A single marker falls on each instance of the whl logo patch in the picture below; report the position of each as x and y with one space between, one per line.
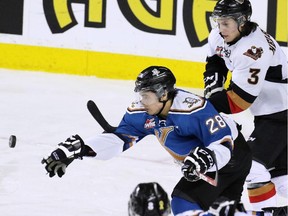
150 123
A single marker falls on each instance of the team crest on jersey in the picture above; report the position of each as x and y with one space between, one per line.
254 52
191 101
150 123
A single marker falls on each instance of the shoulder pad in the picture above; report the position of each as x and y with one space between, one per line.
186 102
136 106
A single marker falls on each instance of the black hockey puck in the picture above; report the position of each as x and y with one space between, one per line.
12 141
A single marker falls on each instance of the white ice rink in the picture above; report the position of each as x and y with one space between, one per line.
43 109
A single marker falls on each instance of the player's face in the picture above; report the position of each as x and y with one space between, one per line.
150 102
228 28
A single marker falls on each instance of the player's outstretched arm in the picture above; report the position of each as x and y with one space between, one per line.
67 151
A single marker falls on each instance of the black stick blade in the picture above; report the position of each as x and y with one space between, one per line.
97 115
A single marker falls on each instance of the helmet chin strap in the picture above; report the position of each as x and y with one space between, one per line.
164 103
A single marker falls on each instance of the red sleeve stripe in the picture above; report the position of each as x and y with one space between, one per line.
261 193
263 197
233 107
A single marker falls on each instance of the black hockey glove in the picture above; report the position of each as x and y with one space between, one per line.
199 160
224 207
72 148
213 83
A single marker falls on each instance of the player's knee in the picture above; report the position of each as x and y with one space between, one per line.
281 185
260 191
259 185
258 173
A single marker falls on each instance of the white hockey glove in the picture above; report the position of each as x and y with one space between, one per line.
213 83
200 160
72 148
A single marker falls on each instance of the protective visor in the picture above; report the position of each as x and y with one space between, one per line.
146 97
215 20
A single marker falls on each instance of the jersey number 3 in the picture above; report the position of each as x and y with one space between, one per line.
254 76
215 123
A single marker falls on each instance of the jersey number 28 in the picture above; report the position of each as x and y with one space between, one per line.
215 123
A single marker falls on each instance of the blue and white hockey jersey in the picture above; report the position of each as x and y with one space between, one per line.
192 121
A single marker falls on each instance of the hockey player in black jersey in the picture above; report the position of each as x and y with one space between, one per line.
259 82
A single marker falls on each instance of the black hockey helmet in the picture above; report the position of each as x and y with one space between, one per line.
149 199
156 79
240 10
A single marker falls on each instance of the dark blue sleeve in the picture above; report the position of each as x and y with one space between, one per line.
131 129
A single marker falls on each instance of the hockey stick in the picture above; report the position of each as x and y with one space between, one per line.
97 115
207 178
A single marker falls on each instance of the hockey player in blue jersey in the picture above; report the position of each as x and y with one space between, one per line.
189 128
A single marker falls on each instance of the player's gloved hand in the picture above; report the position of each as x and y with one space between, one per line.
222 206
213 83
199 160
72 148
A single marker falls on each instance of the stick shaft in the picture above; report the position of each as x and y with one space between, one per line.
97 115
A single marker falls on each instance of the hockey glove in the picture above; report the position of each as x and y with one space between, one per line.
199 160
72 148
222 206
213 83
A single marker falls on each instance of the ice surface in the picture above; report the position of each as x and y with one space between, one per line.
43 109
